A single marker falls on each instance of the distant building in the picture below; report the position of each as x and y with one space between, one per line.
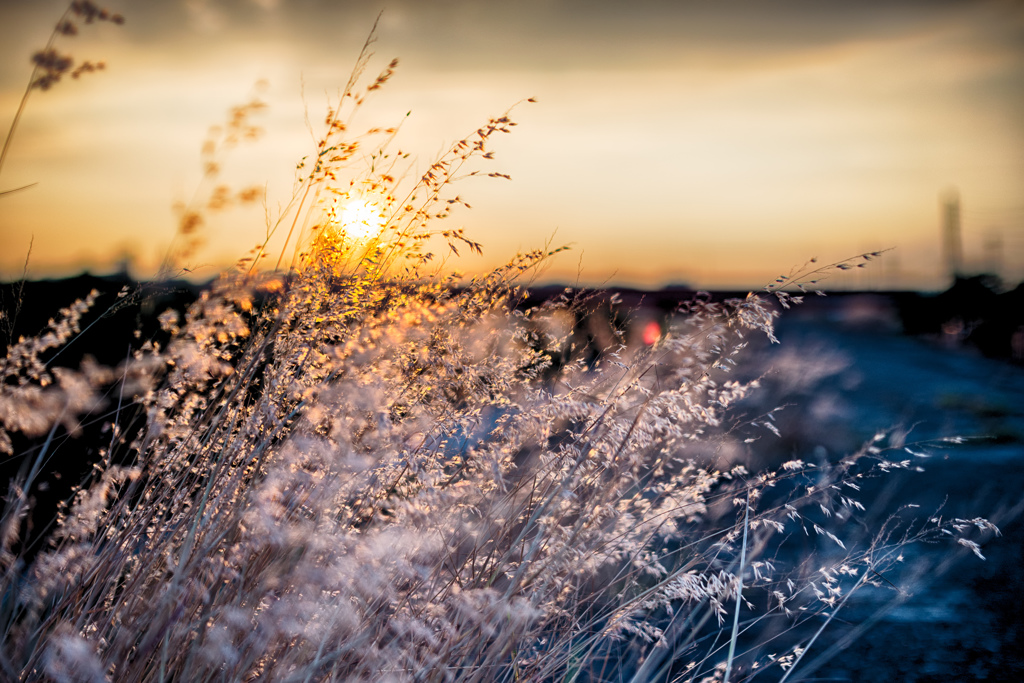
952 246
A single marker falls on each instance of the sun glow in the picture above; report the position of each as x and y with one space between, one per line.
361 219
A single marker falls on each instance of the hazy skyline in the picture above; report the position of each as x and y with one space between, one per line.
713 144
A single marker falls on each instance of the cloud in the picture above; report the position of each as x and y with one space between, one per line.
204 16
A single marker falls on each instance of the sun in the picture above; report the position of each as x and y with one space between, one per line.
361 219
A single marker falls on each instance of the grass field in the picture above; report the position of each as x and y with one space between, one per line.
342 462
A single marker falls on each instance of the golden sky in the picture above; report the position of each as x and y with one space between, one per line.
715 144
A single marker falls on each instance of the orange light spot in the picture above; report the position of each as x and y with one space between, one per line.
652 332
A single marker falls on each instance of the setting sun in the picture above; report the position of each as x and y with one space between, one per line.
361 219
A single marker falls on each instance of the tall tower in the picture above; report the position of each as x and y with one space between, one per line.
952 248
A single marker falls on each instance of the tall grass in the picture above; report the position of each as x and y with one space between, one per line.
356 467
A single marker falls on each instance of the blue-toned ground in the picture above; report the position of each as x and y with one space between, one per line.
962 621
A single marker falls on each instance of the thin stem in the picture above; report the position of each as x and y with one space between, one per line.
739 592
24 96
823 626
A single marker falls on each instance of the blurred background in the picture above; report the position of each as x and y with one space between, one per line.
716 145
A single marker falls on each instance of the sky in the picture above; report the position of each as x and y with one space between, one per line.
712 144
